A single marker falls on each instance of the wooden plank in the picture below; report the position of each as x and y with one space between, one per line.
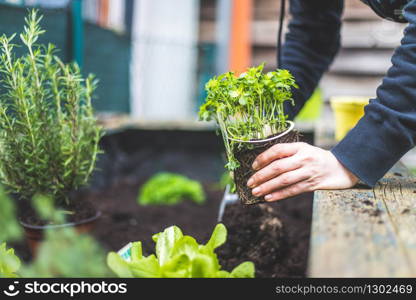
368 63
366 232
372 34
363 34
398 192
376 34
354 10
362 62
267 9
354 14
343 85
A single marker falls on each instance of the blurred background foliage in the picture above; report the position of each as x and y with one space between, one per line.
64 252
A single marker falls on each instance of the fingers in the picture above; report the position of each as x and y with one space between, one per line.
281 181
276 152
290 191
274 169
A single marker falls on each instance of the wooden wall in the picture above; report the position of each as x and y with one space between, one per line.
368 43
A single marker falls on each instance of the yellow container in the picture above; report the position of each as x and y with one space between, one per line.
348 111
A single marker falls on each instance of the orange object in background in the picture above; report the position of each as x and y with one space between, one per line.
240 46
103 13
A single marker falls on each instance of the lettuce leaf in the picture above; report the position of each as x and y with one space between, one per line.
178 256
165 241
244 270
170 189
9 262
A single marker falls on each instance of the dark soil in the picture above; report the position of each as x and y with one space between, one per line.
275 236
131 158
81 211
124 220
246 158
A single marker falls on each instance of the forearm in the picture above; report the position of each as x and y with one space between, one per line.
388 129
311 45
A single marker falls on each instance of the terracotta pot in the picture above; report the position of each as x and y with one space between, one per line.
34 234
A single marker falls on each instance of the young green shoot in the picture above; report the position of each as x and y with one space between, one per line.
247 107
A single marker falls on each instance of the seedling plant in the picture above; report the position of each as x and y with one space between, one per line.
247 107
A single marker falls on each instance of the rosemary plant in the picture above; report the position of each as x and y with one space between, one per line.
48 133
247 107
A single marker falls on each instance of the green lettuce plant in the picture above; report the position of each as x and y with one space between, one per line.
178 256
247 107
48 133
170 189
9 262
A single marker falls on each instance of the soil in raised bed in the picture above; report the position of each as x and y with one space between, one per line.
274 236
126 166
130 158
124 220
82 210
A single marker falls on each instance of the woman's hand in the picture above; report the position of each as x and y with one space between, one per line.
286 170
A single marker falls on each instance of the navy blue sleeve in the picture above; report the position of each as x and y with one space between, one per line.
311 44
388 129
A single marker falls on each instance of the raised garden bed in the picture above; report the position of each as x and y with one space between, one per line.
273 236
124 221
132 156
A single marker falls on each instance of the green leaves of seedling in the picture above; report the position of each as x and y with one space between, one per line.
243 106
178 256
242 101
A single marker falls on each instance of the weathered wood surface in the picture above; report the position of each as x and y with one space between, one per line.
366 232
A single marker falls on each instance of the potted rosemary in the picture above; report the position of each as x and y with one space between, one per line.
250 115
48 133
